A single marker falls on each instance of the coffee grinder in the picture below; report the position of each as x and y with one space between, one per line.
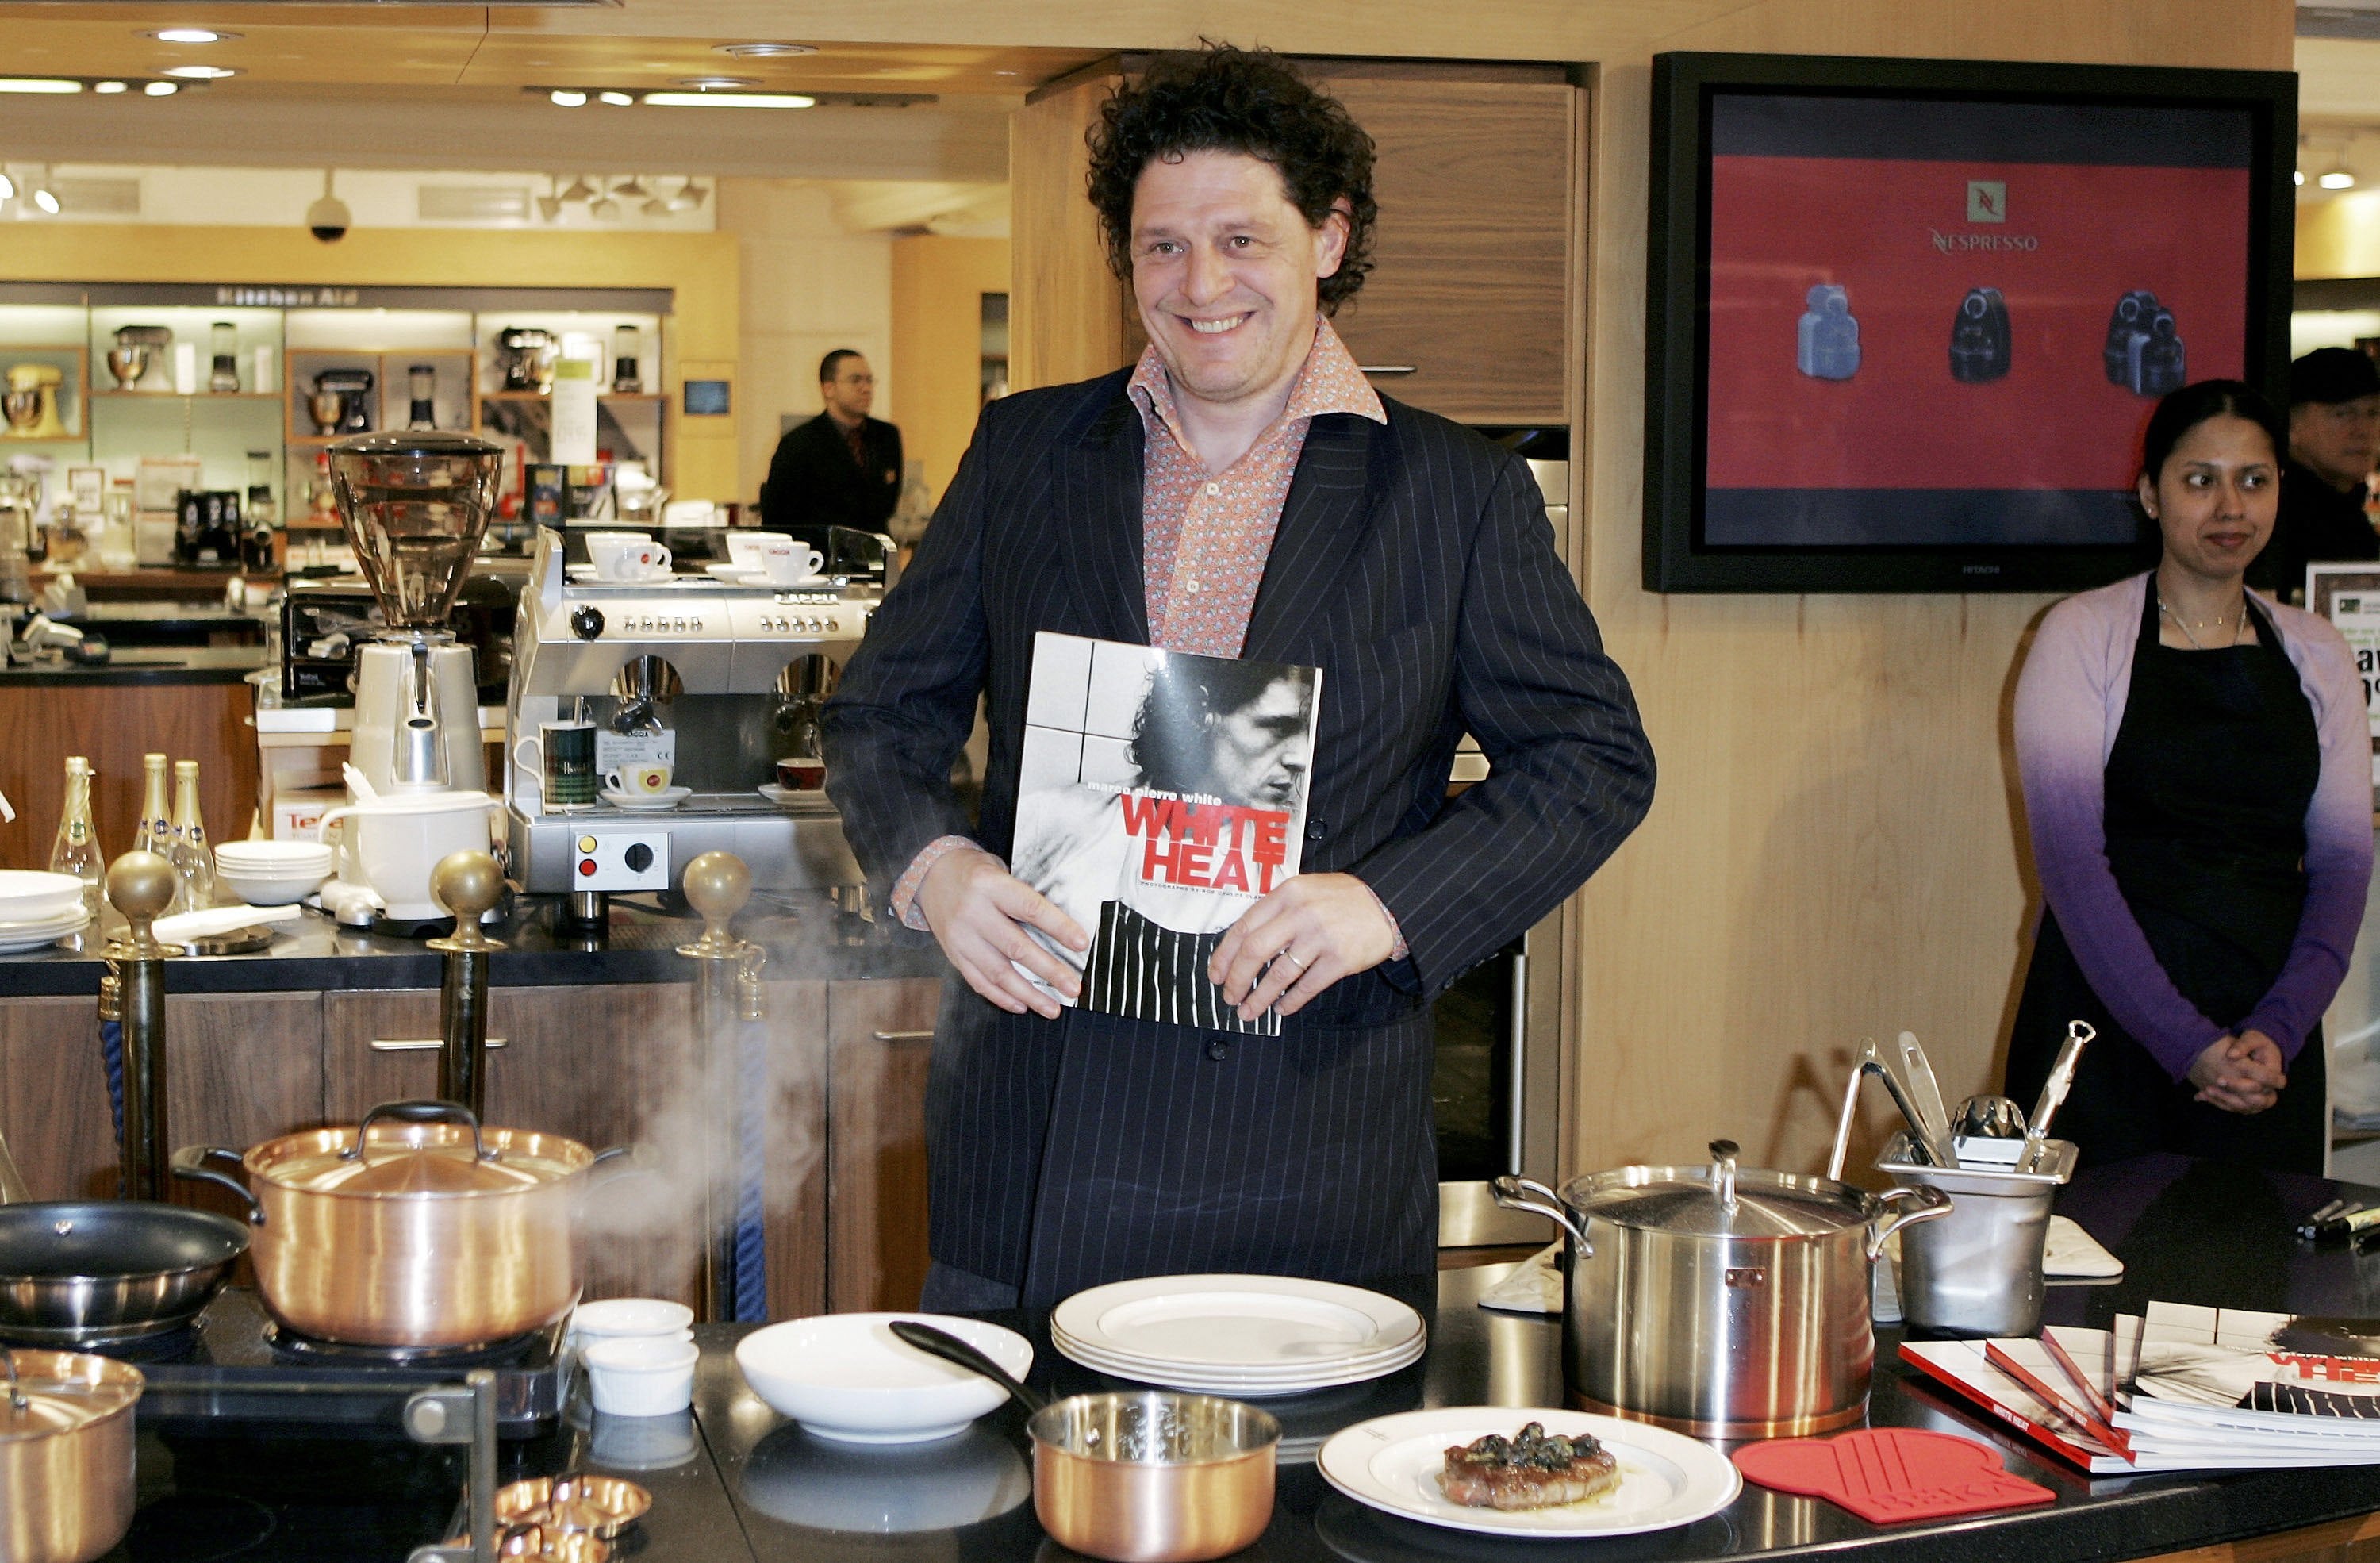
415 505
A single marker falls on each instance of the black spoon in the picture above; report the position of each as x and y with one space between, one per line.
951 1348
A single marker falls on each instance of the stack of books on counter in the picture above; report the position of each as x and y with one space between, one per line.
2180 1389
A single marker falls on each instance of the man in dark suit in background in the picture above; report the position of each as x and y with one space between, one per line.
842 467
2334 441
1244 492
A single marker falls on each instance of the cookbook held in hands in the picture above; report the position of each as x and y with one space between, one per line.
1162 794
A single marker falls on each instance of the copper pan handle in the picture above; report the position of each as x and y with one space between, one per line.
190 1162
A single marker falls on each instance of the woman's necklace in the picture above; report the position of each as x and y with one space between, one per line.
2237 619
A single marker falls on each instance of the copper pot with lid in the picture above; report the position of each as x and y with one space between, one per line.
66 1455
1721 1301
415 1228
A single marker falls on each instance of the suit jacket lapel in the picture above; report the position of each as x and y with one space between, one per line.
1098 522
1322 520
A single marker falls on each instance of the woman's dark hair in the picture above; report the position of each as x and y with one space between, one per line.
2185 409
1247 101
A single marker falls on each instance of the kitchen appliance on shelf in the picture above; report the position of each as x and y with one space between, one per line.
414 506
526 354
719 677
138 359
32 402
341 401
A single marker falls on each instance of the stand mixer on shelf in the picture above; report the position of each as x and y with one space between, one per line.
415 505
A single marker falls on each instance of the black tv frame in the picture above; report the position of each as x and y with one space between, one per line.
1677 315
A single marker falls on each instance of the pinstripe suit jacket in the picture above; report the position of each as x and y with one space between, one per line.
1413 564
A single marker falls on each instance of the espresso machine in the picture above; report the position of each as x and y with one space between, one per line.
415 505
726 674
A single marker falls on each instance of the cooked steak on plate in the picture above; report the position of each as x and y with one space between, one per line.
1531 1469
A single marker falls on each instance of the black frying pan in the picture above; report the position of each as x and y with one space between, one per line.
80 1272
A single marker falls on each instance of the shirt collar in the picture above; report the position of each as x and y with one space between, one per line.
1329 381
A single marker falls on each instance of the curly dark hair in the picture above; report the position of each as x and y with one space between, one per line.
1249 101
1172 745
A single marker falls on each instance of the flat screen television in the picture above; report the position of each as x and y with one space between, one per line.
1906 318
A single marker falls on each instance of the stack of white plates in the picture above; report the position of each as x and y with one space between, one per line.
1242 1336
38 909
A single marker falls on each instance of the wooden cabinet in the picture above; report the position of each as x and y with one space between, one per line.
54 1098
1467 310
880 1040
1475 304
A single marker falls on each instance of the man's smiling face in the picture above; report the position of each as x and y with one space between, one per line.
1224 272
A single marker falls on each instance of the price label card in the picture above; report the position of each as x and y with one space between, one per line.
614 750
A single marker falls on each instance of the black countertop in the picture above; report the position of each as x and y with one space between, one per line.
734 1482
806 939
140 664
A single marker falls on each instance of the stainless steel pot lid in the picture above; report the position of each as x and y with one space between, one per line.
44 1393
1717 1200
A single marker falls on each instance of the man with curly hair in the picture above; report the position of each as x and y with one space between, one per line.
1241 491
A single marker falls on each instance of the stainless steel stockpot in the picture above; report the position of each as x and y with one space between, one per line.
1723 1302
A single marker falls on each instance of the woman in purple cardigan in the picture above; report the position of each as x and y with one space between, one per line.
2197 771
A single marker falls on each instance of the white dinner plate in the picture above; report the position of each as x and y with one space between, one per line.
1231 1324
1392 1463
647 802
20 943
70 919
1238 1388
1381 1362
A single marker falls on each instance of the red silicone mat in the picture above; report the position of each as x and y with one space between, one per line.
1890 1475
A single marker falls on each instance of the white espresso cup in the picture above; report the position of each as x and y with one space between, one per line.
744 549
626 556
638 778
788 562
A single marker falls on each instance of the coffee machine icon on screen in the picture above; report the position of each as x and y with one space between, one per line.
1827 343
2143 352
1979 338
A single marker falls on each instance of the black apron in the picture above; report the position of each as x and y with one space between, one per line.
2207 793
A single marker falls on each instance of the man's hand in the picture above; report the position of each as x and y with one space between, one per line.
976 911
2241 1074
1312 931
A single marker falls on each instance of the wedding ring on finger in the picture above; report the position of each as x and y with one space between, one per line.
1291 955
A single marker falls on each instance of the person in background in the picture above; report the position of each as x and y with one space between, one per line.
842 467
2333 443
2196 768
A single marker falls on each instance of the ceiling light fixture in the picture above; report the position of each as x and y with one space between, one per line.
2339 178
189 35
198 72
565 97
763 51
329 219
7 186
617 99
730 99
40 195
718 83
107 89
160 90
40 84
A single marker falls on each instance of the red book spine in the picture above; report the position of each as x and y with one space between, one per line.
2063 1447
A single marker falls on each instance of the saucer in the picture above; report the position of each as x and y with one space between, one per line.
647 803
740 574
588 574
790 797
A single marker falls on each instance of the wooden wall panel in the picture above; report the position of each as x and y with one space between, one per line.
54 1107
1065 309
114 726
938 289
880 1035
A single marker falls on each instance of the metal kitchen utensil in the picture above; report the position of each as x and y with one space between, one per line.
2054 1089
1664 1261
606 1505
1989 1118
1869 1059
1923 1087
1151 1477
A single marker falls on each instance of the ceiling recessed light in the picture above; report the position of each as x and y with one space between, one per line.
730 99
160 90
38 84
2301 176
763 51
2337 179
107 89
198 72
190 35
7 186
717 83
617 99
565 97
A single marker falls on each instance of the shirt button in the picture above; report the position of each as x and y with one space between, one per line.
1214 489
1218 1050
1190 585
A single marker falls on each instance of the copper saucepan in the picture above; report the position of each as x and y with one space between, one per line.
1150 1476
415 1228
66 1455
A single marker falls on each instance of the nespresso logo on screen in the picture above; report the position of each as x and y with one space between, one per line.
1968 244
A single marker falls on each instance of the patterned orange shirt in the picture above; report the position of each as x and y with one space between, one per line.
1206 536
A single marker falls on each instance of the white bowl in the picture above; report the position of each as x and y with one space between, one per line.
641 1375
848 1376
27 895
630 1316
272 854
280 890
